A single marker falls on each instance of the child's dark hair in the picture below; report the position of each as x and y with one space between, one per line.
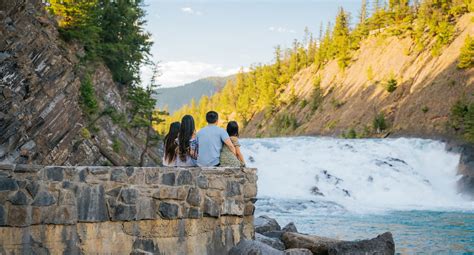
233 128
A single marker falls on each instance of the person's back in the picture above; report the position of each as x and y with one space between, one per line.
211 139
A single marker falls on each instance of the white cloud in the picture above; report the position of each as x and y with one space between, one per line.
175 73
281 30
191 11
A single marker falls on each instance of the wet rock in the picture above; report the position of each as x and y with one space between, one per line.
232 189
290 227
168 179
264 224
316 244
315 191
382 244
8 184
298 251
252 247
55 174
185 178
168 210
194 197
273 242
274 234
19 198
91 204
43 198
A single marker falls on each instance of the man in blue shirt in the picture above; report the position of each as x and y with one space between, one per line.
210 141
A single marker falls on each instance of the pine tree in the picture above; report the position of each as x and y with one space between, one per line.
341 40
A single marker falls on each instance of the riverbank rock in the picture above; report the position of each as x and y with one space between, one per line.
316 244
382 244
252 247
466 169
290 227
298 251
264 224
273 242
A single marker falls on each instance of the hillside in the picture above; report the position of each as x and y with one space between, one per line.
405 70
53 109
174 98
427 88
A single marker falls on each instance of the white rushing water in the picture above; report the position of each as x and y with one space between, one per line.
364 175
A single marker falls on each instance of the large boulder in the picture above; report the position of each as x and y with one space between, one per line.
252 247
265 224
298 251
273 242
382 244
316 244
290 227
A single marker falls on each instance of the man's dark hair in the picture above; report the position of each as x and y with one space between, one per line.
212 117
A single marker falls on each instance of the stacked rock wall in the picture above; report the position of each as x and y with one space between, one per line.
123 210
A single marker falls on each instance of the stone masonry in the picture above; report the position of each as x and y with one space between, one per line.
124 210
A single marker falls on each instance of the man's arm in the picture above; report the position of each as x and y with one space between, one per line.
229 144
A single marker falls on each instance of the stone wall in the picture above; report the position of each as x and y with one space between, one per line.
123 210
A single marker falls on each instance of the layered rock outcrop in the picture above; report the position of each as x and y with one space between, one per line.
123 210
41 121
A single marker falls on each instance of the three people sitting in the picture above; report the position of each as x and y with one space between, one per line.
211 146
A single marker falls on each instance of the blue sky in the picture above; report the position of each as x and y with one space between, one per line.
196 39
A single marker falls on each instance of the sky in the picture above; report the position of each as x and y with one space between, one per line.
202 38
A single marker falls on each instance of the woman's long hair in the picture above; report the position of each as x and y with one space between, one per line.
186 132
170 142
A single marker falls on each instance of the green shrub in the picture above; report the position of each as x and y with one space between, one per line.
351 134
116 145
303 103
285 122
85 133
424 109
391 85
316 98
379 124
87 99
336 103
458 112
466 58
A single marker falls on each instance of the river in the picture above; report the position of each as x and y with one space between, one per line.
357 189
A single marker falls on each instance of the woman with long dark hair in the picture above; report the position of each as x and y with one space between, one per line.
229 159
171 145
187 143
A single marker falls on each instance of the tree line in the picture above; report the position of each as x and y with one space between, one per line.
261 88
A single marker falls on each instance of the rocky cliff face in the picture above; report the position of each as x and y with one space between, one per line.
427 88
41 120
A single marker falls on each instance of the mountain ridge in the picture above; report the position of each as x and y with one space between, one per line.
174 98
